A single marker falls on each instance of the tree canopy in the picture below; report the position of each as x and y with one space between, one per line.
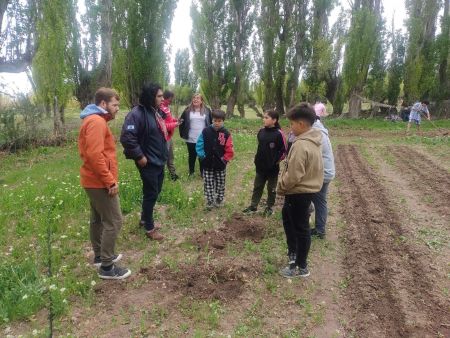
274 53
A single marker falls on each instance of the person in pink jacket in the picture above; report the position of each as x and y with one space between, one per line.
171 124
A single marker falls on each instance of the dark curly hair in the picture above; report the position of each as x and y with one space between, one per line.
148 95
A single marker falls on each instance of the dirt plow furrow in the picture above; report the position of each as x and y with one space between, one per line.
386 283
424 176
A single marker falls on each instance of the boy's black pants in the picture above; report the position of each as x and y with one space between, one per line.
296 226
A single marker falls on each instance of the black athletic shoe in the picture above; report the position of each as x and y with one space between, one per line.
115 273
174 177
249 210
268 211
288 272
317 234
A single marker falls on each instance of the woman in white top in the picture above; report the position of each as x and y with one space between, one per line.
194 118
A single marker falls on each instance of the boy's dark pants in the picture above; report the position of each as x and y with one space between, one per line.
152 179
258 189
296 226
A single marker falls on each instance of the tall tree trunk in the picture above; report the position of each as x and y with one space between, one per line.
105 65
241 109
232 99
3 6
354 104
269 15
252 105
57 125
239 14
284 39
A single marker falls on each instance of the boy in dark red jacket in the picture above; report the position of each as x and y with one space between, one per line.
171 124
215 149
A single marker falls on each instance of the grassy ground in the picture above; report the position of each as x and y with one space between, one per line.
44 245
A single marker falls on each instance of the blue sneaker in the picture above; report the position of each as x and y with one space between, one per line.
116 272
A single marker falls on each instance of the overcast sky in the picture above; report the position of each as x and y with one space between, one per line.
181 29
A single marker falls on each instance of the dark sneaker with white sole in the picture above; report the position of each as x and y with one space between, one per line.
288 272
98 260
268 211
317 234
116 272
249 210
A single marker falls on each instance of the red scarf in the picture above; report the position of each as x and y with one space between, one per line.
161 124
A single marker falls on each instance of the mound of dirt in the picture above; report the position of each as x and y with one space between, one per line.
222 280
236 229
245 228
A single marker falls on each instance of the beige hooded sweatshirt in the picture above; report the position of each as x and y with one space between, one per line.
302 171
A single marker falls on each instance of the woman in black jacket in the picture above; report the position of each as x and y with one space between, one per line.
271 150
195 118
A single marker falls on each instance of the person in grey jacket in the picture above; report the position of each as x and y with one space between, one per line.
319 199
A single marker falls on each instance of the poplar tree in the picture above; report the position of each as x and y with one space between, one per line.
17 34
208 47
444 54
363 41
51 67
396 67
421 60
141 30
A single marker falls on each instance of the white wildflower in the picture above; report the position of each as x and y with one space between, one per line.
24 297
93 283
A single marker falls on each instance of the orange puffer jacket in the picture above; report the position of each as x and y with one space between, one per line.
97 150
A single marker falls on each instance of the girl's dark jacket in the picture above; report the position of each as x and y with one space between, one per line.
271 150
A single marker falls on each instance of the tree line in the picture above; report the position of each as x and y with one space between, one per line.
244 52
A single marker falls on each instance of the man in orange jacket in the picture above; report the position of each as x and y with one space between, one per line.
99 178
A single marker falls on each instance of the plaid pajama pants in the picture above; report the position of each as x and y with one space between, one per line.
214 185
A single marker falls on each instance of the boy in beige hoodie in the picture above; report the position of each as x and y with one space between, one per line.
301 175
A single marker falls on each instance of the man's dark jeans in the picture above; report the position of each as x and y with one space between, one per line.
296 226
320 205
152 179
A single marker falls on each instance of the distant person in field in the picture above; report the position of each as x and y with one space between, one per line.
320 108
319 199
195 118
99 178
143 137
271 150
171 124
417 110
215 149
301 176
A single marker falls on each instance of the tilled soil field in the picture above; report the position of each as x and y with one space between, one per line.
390 291
382 270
